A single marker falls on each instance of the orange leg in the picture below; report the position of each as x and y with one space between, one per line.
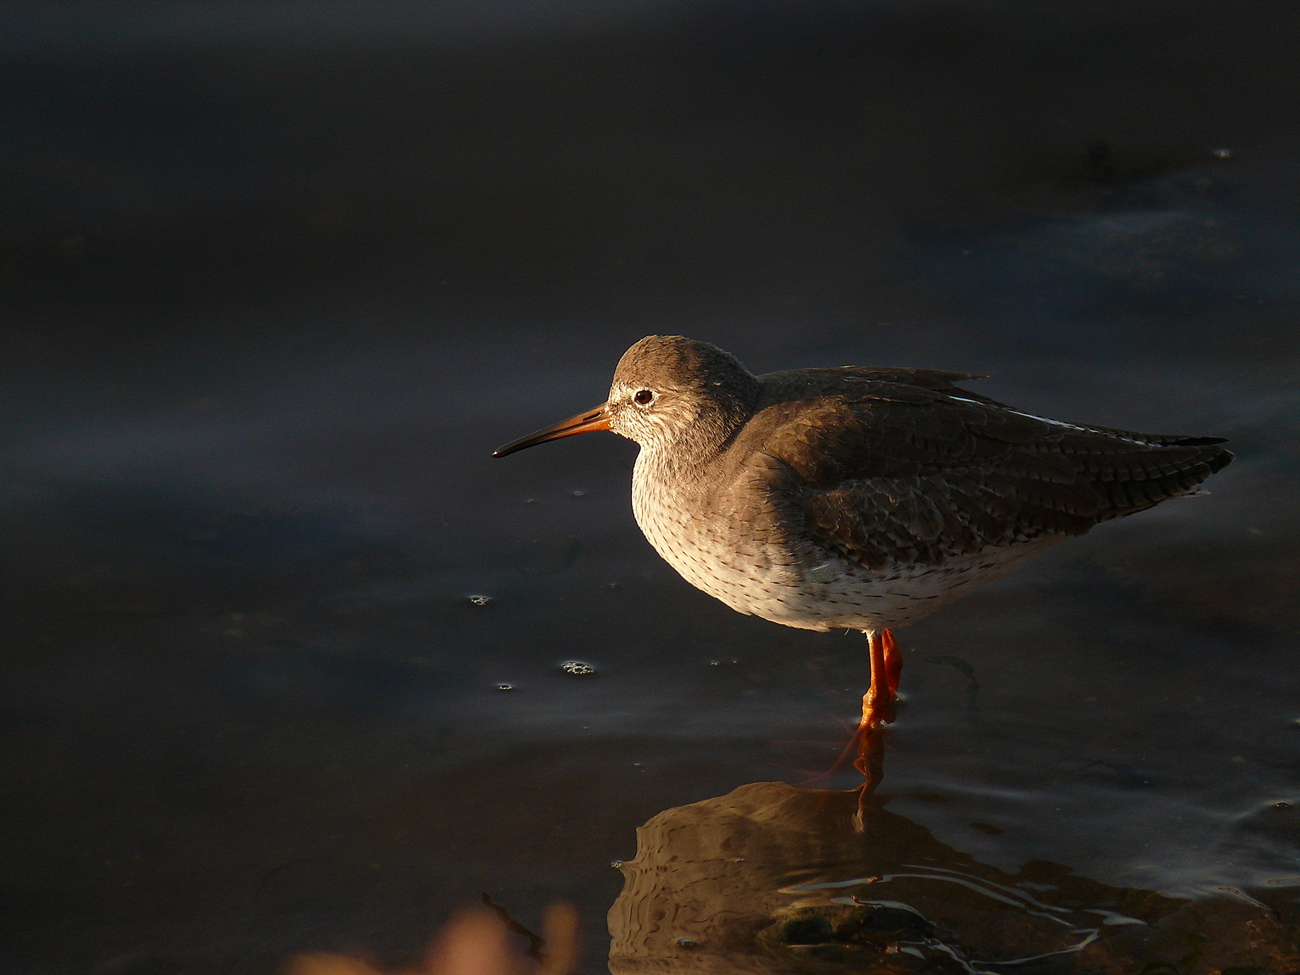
877 708
886 667
893 661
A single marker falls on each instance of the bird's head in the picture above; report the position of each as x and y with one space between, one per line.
669 393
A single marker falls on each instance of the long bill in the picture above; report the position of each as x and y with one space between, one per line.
592 420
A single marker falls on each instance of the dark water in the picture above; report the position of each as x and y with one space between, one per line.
278 277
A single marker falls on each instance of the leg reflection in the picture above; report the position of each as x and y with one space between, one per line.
871 763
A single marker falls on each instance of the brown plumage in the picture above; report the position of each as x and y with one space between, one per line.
859 497
901 464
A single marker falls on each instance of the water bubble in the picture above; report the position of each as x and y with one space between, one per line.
478 600
505 686
1282 804
687 943
578 493
616 864
1222 153
577 668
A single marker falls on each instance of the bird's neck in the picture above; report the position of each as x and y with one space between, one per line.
666 464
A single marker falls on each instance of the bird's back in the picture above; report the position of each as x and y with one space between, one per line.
882 465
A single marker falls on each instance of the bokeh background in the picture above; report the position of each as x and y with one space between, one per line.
282 646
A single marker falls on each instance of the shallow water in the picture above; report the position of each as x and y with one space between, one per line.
283 650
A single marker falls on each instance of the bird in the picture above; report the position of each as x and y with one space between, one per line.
860 497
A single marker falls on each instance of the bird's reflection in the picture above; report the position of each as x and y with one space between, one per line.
775 879
869 745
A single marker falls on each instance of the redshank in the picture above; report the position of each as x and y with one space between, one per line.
860 498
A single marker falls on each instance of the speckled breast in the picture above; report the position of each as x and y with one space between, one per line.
730 542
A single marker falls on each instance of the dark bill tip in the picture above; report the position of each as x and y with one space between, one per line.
592 420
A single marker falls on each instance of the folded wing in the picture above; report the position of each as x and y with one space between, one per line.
907 466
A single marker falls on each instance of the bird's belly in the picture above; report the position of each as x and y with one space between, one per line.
758 574
836 593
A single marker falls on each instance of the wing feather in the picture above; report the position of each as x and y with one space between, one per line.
907 466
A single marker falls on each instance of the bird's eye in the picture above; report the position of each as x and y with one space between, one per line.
644 397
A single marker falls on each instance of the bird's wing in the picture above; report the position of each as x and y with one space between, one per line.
906 466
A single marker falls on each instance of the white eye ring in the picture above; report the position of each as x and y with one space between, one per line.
643 397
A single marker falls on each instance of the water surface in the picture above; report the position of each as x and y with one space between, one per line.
283 651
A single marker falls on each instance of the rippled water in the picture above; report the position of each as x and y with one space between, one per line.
291 664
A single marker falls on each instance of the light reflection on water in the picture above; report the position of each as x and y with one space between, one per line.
705 893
